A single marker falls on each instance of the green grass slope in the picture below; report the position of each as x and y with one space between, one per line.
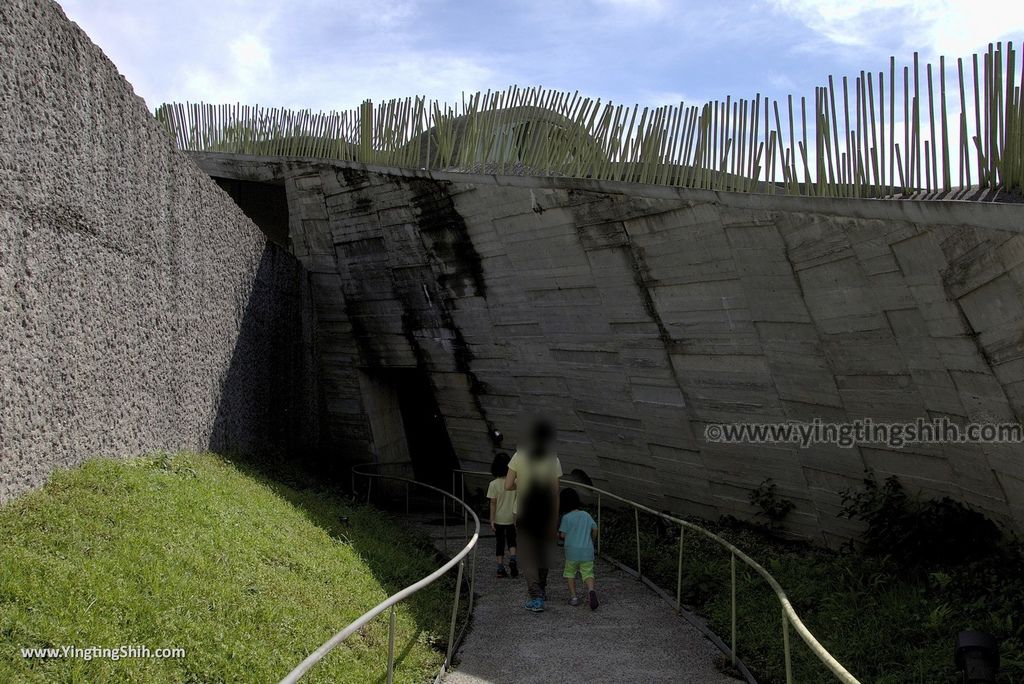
246 574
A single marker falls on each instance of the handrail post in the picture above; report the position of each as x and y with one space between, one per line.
444 521
679 573
465 511
455 615
785 647
369 486
453 490
472 583
636 517
598 524
732 557
391 647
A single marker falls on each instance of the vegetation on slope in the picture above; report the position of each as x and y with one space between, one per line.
888 608
247 574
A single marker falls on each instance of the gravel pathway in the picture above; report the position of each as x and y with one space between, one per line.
634 636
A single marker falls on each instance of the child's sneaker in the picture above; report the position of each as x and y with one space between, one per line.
574 601
501 571
513 568
593 600
535 605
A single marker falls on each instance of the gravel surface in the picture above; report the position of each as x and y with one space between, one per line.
634 636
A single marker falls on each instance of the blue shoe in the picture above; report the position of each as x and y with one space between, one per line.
535 605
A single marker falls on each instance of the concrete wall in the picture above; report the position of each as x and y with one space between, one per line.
637 315
139 308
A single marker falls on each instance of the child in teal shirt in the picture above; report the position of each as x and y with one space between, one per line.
578 530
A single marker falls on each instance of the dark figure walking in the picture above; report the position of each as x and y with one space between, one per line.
533 473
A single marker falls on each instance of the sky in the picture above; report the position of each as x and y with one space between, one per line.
332 54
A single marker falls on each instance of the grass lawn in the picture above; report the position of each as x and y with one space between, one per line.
247 574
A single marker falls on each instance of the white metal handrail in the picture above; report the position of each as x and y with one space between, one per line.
393 600
789 616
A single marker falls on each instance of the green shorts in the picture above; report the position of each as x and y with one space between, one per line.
586 569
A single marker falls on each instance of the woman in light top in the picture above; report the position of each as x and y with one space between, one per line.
533 473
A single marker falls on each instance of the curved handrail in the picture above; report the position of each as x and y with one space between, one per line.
790 616
458 559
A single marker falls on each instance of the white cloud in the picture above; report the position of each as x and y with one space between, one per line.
321 54
247 68
933 27
249 55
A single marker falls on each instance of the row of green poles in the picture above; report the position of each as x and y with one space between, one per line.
852 147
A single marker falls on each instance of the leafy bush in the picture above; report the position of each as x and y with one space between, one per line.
772 507
919 533
885 624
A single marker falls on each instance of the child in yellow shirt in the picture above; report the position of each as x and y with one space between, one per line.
503 516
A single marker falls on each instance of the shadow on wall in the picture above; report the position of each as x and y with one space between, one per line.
266 205
267 406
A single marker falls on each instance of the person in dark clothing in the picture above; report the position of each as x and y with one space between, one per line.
533 473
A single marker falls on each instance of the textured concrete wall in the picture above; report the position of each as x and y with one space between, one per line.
139 308
638 315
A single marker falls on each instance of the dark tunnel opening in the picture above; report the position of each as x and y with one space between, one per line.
408 425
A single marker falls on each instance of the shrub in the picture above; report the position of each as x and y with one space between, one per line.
772 507
919 533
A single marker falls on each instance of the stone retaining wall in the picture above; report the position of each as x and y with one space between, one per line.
139 308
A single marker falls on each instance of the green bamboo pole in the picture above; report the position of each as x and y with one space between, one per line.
1008 145
977 122
931 130
946 183
876 181
820 175
803 147
734 137
998 101
847 166
989 124
781 151
927 169
965 166
863 146
906 127
916 115
835 137
882 185
892 125
899 166
754 142
771 149
712 157
791 171
726 132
